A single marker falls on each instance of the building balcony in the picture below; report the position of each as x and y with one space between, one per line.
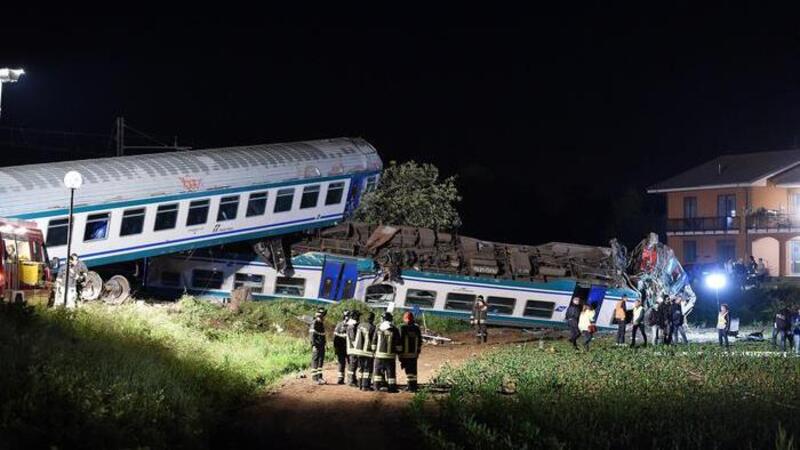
772 222
704 225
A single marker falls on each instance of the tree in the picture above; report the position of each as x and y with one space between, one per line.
412 194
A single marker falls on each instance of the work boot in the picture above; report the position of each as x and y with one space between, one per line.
321 381
412 386
392 388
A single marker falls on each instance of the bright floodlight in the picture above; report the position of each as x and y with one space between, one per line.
73 179
716 281
8 76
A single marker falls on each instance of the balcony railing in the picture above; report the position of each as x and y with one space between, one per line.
703 224
769 221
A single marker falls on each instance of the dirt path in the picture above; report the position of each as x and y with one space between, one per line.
299 414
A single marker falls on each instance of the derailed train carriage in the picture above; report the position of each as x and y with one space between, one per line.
417 268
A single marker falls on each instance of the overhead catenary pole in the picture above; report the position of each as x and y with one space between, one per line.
72 180
120 136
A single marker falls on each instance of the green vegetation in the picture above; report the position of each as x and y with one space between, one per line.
695 397
139 375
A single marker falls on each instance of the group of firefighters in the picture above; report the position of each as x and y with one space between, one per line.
367 354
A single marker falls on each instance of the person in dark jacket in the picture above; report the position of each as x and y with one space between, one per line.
664 321
677 330
723 325
783 325
352 357
621 315
340 346
386 343
651 320
317 334
364 349
478 319
411 347
796 331
637 320
572 315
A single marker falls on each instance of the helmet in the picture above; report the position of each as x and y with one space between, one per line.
355 315
346 314
321 312
408 317
387 316
370 317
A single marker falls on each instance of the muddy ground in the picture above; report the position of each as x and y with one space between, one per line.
298 414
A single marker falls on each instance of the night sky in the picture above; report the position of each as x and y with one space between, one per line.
555 122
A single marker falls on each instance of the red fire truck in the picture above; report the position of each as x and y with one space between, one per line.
25 273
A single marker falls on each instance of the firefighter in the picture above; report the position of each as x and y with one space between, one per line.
317 333
364 349
352 358
386 343
478 319
411 346
340 346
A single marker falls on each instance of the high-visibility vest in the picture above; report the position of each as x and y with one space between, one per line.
386 342
410 340
362 345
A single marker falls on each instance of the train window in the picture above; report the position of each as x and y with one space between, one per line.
166 217
372 183
170 278
425 299
349 290
334 195
378 293
283 201
253 281
290 286
460 302
198 212
228 207
310 197
96 227
501 305
327 287
57 232
132 222
257 204
536 308
207 279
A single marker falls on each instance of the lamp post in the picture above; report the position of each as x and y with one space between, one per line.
72 180
8 76
716 281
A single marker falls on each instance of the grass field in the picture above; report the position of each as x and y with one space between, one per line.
689 398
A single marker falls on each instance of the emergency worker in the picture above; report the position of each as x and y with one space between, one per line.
317 334
478 319
411 346
386 343
571 316
363 347
340 346
620 314
352 357
638 323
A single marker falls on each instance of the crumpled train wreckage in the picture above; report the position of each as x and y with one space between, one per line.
651 268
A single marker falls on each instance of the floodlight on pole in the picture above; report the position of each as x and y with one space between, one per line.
8 76
716 281
72 180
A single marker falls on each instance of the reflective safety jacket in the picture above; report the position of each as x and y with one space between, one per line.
386 341
410 341
317 333
362 344
350 331
340 336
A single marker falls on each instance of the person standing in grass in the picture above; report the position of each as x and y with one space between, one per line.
411 342
677 331
340 346
783 326
796 326
586 325
478 319
572 316
651 321
638 323
620 314
723 325
317 334
352 351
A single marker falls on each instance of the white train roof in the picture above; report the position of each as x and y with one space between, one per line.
37 188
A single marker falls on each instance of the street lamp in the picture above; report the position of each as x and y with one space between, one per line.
72 180
8 76
716 281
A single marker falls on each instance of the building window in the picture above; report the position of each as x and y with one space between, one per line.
689 207
424 299
170 279
57 232
290 286
794 254
96 227
726 250
207 279
334 194
198 212
310 197
536 308
501 305
228 207
253 281
372 183
460 302
689 251
257 204
283 201
166 217
132 222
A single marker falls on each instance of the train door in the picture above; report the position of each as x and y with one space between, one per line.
596 296
354 195
338 280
